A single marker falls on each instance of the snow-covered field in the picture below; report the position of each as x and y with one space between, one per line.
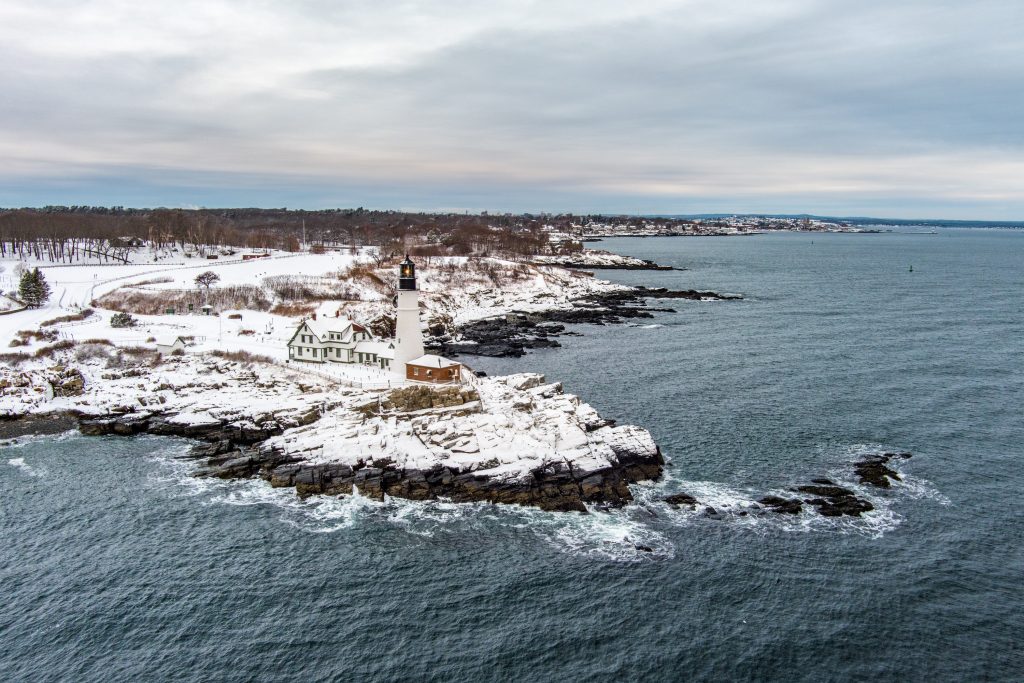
454 290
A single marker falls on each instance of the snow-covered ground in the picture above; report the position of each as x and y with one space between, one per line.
520 424
454 290
594 258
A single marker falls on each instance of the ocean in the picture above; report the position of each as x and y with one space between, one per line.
117 565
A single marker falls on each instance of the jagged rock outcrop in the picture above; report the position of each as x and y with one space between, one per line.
873 469
512 334
516 439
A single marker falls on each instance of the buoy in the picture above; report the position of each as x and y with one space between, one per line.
911 269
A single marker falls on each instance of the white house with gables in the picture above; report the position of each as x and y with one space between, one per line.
339 340
329 337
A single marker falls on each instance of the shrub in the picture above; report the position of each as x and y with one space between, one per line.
74 317
39 335
48 351
104 342
309 288
13 359
242 356
16 342
122 320
137 351
156 302
235 316
294 310
89 351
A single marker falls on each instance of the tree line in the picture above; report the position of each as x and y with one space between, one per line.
62 234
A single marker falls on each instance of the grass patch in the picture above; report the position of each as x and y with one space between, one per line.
48 351
73 318
13 359
294 310
158 302
243 357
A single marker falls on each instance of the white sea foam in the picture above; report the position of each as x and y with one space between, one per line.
619 535
22 441
25 467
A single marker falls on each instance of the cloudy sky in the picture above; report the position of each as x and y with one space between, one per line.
901 108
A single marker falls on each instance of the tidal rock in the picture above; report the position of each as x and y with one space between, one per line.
873 470
835 501
677 499
789 506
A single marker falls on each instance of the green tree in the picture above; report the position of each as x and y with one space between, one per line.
122 320
33 288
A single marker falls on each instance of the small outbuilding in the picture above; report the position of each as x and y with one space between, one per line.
168 344
433 369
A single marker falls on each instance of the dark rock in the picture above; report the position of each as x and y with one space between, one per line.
828 491
835 501
513 334
789 506
873 470
14 426
643 548
677 499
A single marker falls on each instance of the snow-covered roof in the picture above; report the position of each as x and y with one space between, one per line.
322 326
381 348
169 339
431 361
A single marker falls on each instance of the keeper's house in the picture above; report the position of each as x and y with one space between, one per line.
433 369
339 340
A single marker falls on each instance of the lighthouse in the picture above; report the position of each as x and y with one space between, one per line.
408 336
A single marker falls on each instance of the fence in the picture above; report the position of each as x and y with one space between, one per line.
382 383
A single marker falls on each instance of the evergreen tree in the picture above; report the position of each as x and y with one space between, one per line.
42 287
33 289
26 285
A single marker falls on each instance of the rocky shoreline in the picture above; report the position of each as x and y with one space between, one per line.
599 259
511 335
514 439
827 497
643 264
238 452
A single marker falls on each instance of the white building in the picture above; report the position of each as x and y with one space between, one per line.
408 335
169 343
339 340
327 339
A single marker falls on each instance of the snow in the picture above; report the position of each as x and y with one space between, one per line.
519 423
429 360
502 438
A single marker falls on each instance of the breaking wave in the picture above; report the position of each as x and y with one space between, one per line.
25 467
643 531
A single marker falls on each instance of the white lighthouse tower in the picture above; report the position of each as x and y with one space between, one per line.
408 336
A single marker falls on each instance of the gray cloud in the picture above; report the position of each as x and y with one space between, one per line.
804 105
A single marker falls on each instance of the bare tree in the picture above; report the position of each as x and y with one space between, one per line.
207 279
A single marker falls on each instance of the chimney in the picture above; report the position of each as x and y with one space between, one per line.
314 315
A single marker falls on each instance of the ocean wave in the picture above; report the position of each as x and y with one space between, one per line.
22 441
642 531
25 467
